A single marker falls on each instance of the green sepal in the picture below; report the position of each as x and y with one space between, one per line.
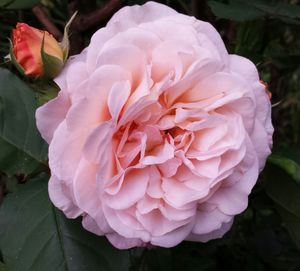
46 90
65 43
13 59
51 64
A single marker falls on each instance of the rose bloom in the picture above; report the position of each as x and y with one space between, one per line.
158 134
27 45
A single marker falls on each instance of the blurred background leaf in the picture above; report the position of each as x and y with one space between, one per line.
2 267
35 236
283 188
18 4
22 148
243 10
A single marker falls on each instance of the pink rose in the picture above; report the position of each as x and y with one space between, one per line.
158 134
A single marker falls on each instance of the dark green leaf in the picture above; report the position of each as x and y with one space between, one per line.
22 148
292 223
46 90
285 192
289 161
36 236
236 11
14 160
2 267
18 4
249 40
11 183
242 10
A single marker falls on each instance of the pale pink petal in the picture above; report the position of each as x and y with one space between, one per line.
151 220
85 190
177 194
208 30
91 225
243 67
207 222
143 39
61 79
117 97
98 143
154 188
173 238
212 235
128 57
133 189
232 200
261 143
65 152
135 15
61 196
124 243
46 121
177 214
93 108
119 227
147 204
159 154
169 168
76 76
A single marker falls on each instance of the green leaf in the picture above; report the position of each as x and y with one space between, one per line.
11 183
287 159
292 223
15 161
249 40
235 11
35 236
285 192
243 10
2 267
46 90
18 4
22 148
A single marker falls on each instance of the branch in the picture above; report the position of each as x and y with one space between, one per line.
42 16
84 22
76 39
87 18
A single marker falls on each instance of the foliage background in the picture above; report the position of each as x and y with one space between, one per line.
36 236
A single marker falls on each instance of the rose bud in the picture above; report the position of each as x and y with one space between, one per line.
36 53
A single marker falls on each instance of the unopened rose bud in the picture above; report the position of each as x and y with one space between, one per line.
36 53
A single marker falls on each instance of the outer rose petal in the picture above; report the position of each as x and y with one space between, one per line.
208 221
65 152
61 79
212 235
60 195
46 121
124 243
173 238
135 15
